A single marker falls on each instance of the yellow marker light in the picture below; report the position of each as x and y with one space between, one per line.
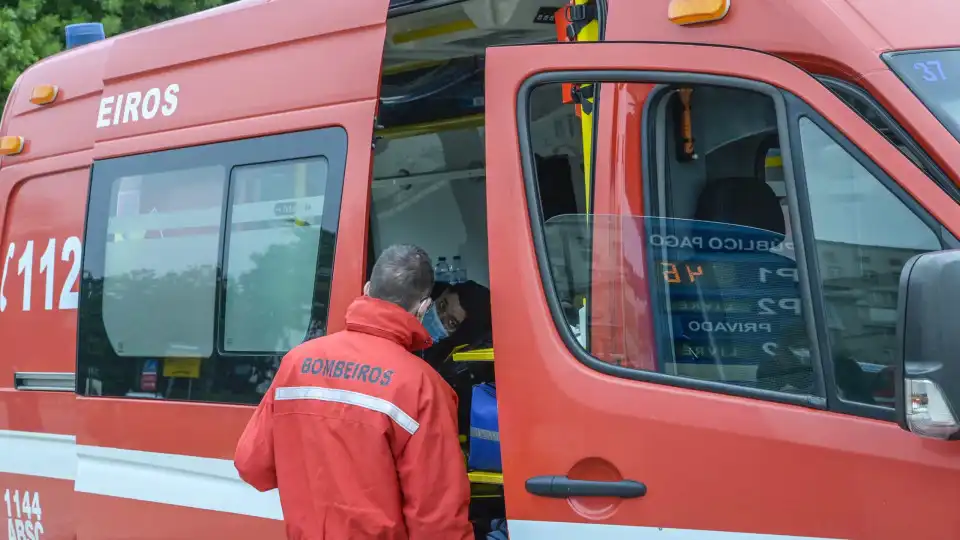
44 94
685 12
11 145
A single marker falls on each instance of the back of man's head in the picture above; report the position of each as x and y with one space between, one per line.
402 275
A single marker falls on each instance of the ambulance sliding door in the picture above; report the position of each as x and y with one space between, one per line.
731 397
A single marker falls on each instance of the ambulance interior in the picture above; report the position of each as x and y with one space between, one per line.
428 185
429 176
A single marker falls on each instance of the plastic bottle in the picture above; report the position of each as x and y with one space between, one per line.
458 274
441 272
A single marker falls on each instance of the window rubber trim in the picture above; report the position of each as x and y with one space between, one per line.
536 223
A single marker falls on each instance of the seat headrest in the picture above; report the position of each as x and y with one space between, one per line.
744 201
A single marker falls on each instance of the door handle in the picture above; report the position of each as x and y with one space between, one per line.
561 487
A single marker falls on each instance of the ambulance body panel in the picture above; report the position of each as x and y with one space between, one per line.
104 468
270 82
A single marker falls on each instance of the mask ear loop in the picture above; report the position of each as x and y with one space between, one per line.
424 308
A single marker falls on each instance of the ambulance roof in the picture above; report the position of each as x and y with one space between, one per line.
849 33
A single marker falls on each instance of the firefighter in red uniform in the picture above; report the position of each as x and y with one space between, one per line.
358 434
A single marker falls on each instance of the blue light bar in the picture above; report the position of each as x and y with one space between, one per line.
83 33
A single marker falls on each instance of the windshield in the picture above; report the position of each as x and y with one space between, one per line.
934 76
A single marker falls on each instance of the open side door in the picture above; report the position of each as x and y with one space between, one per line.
603 450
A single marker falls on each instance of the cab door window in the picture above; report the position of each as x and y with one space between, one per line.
204 265
732 271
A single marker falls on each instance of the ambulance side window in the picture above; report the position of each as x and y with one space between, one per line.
160 258
273 265
204 265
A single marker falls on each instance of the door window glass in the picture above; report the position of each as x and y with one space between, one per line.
695 275
864 236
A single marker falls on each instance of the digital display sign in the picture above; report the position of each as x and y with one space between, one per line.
675 273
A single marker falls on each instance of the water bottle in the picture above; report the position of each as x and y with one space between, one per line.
458 274
441 272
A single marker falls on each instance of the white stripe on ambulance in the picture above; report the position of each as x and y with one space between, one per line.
133 106
213 484
558 530
194 482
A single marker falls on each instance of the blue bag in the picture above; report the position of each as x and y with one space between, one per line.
484 430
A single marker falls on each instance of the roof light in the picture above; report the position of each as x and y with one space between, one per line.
83 33
11 145
44 94
684 12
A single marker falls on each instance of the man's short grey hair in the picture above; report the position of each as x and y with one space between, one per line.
402 275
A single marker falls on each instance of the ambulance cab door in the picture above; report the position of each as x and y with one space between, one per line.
705 346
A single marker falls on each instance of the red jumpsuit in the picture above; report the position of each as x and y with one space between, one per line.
361 436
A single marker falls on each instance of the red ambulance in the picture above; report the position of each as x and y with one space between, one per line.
720 238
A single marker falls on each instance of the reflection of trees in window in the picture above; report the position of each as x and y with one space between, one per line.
137 296
281 311
284 291
223 377
271 257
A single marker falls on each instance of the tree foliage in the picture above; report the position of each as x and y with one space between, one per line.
33 29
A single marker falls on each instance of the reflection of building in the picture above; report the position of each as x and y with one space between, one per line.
860 285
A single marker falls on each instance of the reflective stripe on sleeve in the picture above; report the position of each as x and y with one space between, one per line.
348 397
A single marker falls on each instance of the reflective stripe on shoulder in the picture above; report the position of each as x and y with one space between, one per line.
348 397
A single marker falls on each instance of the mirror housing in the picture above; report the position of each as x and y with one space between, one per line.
928 335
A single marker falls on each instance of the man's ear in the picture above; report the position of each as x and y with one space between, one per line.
366 289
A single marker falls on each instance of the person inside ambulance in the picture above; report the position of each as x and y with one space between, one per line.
358 433
462 321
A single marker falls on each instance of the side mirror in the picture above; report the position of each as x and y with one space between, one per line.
928 334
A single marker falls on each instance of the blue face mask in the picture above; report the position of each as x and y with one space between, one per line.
431 321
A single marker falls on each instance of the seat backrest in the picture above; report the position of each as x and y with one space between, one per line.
748 202
742 318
